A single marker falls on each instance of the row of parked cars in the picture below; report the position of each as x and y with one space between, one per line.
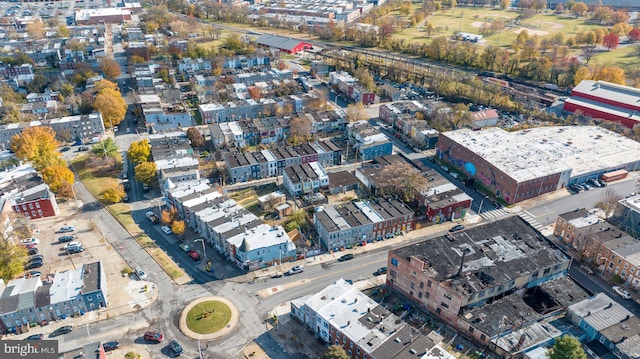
589 184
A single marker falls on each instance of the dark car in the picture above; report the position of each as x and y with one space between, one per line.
194 255
65 239
175 347
65 149
380 271
32 251
153 337
34 337
33 265
456 228
36 258
61 331
109 346
345 257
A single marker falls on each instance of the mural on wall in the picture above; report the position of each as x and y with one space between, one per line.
470 168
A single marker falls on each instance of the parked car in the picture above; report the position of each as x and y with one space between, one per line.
578 187
153 337
585 186
345 257
586 269
66 229
602 183
151 216
61 331
594 183
621 292
145 187
194 255
65 149
30 241
66 239
37 257
350 281
33 273
33 265
72 244
166 229
32 251
380 271
175 347
141 274
34 337
185 247
296 269
74 250
110 346
456 228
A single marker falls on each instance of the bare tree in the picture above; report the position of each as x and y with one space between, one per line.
608 201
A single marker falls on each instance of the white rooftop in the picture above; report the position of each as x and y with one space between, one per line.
532 153
600 311
262 236
177 163
66 285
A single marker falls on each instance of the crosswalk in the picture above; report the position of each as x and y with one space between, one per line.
531 219
496 214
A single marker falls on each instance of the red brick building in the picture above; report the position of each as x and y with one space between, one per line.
607 101
286 44
36 202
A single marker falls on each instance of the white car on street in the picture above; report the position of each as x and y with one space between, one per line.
621 292
166 230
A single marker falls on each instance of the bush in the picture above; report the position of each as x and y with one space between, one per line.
126 270
617 279
291 226
132 355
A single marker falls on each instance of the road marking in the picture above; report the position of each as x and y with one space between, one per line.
267 292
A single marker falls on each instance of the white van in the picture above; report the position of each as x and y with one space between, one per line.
621 292
141 274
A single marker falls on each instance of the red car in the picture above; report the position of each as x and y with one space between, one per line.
153 337
194 255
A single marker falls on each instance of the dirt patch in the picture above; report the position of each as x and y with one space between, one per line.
479 24
531 31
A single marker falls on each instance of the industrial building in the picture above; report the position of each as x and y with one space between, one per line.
515 166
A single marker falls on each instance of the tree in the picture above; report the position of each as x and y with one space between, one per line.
110 68
335 352
611 74
196 138
505 4
567 347
113 194
355 112
111 105
56 175
107 148
178 227
611 40
37 144
634 35
139 151
145 172
608 202
36 30
402 181
579 8
63 31
12 259
169 215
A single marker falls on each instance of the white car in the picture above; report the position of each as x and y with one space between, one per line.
296 270
185 247
72 244
166 230
30 241
621 292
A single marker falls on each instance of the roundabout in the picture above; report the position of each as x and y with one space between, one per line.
208 318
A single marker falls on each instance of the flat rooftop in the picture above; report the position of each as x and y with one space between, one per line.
528 154
496 253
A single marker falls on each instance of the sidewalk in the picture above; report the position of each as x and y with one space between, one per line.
332 256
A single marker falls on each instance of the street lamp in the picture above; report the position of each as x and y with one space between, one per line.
204 249
481 202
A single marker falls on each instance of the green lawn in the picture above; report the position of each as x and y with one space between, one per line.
96 178
624 57
208 317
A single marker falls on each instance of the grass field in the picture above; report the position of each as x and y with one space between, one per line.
625 57
208 317
96 179
470 20
248 197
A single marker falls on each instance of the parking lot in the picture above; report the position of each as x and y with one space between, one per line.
56 259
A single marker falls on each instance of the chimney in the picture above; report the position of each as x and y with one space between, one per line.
464 253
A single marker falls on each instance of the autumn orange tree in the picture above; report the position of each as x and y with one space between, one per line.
109 103
145 172
168 216
37 144
178 227
55 176
140 151
113 194
110 68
